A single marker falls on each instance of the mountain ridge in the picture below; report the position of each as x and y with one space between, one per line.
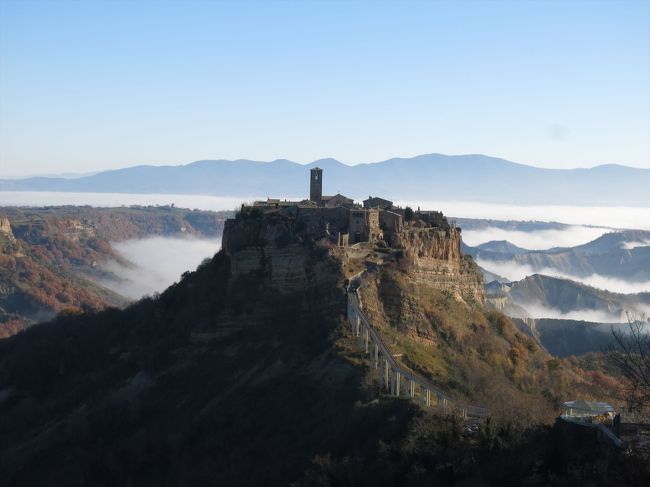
423 177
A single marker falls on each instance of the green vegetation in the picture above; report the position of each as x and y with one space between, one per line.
409 214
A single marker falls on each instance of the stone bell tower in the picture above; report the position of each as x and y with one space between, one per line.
316 186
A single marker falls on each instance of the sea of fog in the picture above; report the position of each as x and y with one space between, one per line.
158 262
612 217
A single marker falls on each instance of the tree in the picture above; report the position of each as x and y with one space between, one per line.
408 214
631 356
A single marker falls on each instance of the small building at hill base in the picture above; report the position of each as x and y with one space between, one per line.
581 410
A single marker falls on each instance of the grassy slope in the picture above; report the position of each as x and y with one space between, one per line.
476 355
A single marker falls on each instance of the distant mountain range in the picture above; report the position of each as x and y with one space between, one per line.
427 177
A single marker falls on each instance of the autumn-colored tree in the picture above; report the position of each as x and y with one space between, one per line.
631 355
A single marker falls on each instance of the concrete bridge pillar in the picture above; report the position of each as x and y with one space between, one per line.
412 388
386 374
366 338
376 356
358 329
397 376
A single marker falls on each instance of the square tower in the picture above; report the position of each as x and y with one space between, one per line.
316 186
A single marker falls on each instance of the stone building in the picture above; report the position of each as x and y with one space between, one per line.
316 185
346 222
364 226
316 192
375 202
337 200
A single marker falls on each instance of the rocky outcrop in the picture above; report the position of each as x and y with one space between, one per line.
5 227
7 238
280 258
435 260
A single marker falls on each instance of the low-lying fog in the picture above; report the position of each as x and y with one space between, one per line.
614 217
515 272
536 240
157 263
539 311
627 217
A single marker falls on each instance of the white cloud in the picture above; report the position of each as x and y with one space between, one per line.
614 217
157 263
515 272
537 310
602 216
535 240
635 244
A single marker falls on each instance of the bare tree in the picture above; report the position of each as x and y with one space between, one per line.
632 356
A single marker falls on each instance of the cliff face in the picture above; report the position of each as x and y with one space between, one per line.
280 258
7 239
435 260
279 254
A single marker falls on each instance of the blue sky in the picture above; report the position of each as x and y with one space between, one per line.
96 85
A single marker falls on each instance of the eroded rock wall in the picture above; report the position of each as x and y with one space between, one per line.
280 258
435 260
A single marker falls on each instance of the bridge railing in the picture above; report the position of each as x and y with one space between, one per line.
393 374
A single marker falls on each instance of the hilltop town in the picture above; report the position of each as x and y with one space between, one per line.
375 232
349 223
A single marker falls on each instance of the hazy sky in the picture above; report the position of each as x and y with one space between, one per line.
96 85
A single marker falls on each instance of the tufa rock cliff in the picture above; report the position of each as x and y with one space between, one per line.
434 259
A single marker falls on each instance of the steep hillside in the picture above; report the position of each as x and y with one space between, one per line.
564 338
50 258
478 356
538 294
242 374
501 247
622 255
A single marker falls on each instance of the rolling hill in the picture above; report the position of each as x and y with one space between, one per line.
539 294
623 255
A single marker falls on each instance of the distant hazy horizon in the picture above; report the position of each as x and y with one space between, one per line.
617 217
88 86
304 163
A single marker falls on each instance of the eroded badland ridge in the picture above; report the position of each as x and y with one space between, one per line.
52 259
245 372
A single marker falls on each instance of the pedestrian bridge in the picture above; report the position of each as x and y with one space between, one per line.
396 378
